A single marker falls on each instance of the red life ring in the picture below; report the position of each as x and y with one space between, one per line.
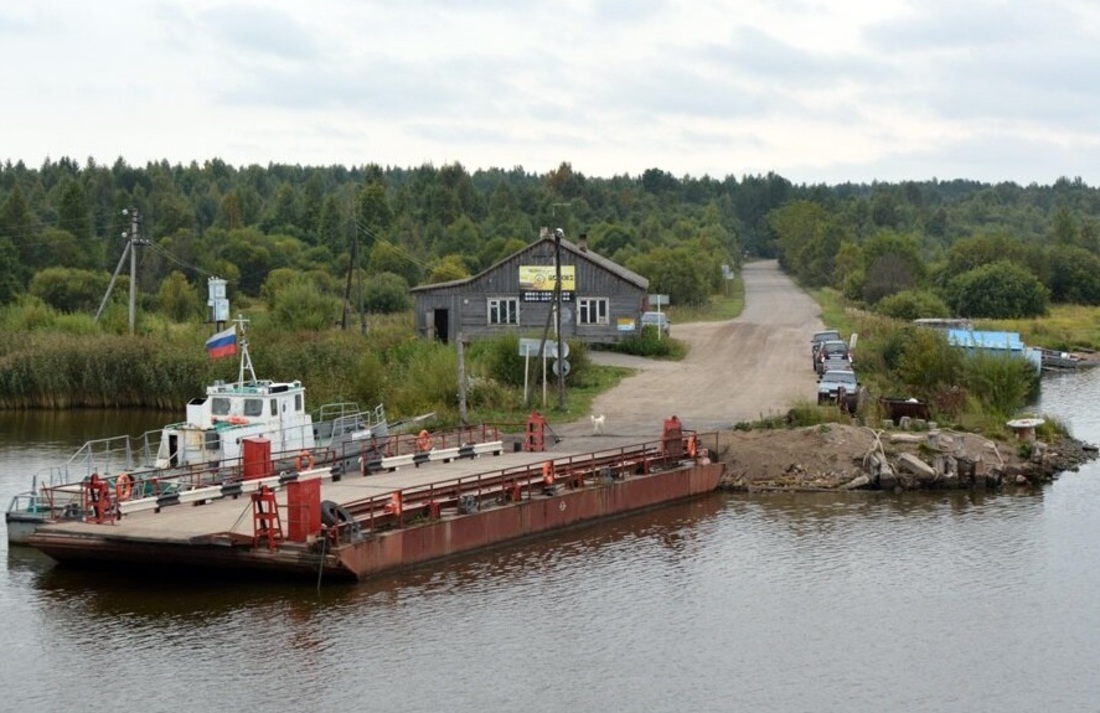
424 441
124 487
692 448
305 461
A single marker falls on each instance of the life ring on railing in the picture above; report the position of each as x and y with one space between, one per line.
692 446
548 473
424 442
124 487
305 461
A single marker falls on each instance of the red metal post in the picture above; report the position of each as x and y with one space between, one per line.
535 436
673 438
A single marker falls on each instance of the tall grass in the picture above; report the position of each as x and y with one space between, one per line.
1065 328
63 364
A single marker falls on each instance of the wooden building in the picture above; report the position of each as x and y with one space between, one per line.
601 300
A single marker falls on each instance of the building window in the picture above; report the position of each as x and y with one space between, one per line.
592 310
504 310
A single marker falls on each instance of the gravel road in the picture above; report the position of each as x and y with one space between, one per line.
742 369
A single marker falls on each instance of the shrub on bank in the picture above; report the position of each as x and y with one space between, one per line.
648 342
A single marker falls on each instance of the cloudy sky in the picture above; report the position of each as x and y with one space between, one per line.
814 90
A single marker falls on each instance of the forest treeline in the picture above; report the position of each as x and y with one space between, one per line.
307 239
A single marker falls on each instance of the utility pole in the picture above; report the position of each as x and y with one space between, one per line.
461 349
135 221
353 261
558 235
134 239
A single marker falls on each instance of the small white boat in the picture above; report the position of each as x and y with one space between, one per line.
1053 359
207 447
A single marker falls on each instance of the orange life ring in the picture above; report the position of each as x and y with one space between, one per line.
692 448
424 441
305 461
124 487
548 473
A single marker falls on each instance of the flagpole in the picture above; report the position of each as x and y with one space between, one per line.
246 358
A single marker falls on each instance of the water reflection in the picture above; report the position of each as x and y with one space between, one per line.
72 427
824 602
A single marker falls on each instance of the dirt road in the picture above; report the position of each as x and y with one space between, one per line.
755 366
739 370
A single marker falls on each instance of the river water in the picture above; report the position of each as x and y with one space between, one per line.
855 602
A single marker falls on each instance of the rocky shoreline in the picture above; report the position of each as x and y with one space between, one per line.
833 457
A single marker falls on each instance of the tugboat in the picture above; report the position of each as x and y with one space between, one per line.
207 447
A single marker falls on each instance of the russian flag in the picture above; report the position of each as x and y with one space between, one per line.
223 343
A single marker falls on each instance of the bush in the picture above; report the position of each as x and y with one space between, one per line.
1002 290
1001 384
387 293
926 362
70 290
647 342
499 359
300 305
178 298
913 304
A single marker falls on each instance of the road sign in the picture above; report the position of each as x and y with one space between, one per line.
658 300
531 348
564 366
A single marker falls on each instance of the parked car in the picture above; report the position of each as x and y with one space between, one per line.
830 384
836 363
659 320
818 339
832 349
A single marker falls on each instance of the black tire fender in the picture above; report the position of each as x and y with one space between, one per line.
333 513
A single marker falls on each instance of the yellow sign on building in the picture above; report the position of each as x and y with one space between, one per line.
540 278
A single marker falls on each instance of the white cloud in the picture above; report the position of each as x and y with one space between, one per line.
815 90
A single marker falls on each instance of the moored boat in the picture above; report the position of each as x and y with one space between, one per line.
207 447
1053 359
404 510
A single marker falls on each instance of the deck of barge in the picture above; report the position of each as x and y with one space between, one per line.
188 523
449 506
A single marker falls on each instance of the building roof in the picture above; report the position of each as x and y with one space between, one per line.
594 258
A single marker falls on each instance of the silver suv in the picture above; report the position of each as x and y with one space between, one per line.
657 319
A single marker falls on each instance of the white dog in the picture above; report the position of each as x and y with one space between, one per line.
597 423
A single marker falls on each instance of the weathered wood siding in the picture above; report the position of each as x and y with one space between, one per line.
466 303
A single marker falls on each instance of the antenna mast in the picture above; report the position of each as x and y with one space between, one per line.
246 358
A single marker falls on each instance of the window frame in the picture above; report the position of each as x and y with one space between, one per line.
495 307
602 307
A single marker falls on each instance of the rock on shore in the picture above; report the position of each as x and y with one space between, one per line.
839 456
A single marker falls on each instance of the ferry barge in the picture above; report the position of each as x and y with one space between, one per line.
433 498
